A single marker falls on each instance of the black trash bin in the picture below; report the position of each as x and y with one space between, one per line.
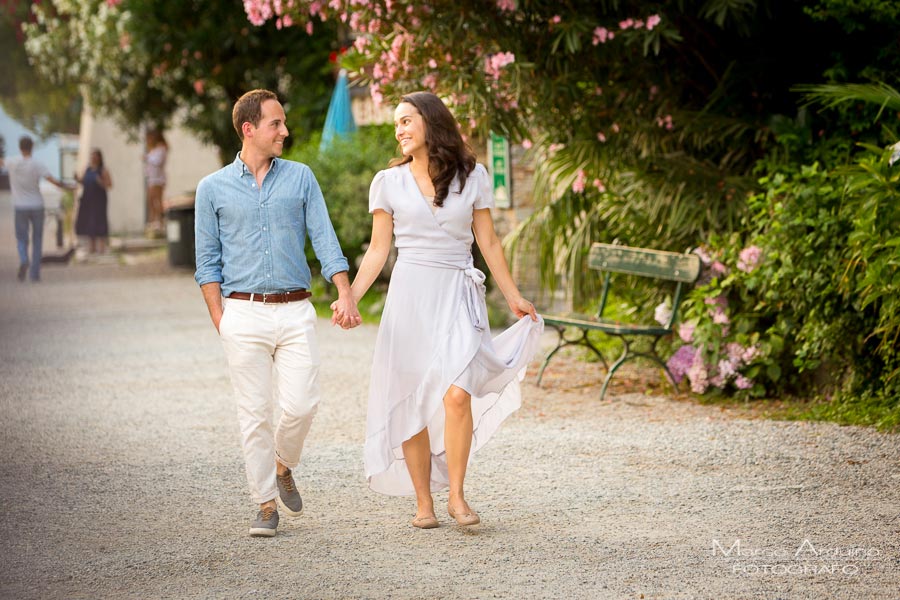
180 235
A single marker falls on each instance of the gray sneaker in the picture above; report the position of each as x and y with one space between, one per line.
265 524
288 494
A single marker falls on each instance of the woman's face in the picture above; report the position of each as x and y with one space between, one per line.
409 129
95 159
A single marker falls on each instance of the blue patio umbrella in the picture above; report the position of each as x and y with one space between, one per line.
339 120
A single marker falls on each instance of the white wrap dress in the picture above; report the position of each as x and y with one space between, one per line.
434 332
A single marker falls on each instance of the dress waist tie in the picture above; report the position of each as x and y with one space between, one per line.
474 290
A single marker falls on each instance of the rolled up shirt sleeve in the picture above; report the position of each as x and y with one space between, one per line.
208 244
321 231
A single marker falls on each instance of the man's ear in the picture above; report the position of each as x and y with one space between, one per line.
247 128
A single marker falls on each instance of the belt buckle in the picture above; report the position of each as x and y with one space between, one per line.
266 298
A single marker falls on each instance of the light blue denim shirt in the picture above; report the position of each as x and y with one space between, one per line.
252 239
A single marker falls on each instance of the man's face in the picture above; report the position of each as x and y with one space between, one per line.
268 137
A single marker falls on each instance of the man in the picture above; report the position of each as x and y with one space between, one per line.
252 219
25 175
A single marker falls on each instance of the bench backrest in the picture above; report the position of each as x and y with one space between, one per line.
643 262
657 264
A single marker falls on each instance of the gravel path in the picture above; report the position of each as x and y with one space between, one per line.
122 476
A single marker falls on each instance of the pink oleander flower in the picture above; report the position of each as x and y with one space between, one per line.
555 147
375 92
615 127
665 121
601 35
599 185
507 5
199 86
601 136
578 184
749 258
743 383
495 62
598 90
555 19
653 21
113 3
432 64
309 28
626 24
686 332
258 11
430 81
527 144
717 381
360 44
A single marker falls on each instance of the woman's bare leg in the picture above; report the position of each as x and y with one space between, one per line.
417 452
458 443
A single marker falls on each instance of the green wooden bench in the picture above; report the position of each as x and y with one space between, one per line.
608 259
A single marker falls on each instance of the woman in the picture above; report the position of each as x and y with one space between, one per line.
440 385
155 174
92 221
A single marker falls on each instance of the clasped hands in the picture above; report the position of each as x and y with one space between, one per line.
345 313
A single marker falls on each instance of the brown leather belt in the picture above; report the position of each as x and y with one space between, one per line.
281 298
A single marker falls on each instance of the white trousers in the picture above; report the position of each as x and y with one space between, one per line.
272 353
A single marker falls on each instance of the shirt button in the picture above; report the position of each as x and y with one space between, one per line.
267 251
264 229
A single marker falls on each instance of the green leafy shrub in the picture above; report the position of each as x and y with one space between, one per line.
344 172
811 294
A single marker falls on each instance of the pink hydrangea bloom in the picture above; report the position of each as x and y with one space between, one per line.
698 375
743 383
680 362
686 332
749 258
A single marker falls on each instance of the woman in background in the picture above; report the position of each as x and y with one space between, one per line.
92 221
155 174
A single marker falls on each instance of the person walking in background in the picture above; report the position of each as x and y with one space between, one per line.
25 175
252 220
92 221
155 174
441 385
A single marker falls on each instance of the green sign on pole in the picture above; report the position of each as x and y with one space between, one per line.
498 154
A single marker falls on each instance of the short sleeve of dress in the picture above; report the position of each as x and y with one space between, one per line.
484 195
378 195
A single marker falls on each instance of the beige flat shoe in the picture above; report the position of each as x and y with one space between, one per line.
470 518
425 522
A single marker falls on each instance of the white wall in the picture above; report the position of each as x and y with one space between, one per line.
188 162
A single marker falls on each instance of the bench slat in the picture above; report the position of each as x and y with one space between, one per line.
660 264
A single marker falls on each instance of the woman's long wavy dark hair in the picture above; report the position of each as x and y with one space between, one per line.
449 155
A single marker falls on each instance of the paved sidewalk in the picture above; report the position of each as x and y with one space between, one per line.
122 476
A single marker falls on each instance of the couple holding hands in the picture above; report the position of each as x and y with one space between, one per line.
440 383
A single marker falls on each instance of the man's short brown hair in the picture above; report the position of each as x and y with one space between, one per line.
26 143
248 109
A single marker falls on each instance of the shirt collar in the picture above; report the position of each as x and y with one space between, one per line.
241 168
